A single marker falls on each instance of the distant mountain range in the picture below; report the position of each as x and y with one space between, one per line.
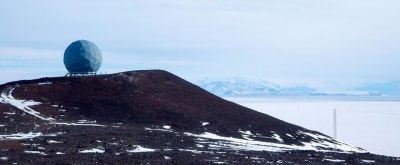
255 88
387 88
244 87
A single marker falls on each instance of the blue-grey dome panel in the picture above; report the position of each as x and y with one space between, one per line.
82 56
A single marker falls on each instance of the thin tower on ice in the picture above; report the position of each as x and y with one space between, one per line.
334 126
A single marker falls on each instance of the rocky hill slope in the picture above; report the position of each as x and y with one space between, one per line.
150 117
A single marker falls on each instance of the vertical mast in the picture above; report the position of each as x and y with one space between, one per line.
334 126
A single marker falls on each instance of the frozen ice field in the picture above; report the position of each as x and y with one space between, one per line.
371 123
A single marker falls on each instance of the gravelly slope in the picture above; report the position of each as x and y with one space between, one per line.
150 117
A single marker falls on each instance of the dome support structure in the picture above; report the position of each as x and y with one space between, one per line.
80 74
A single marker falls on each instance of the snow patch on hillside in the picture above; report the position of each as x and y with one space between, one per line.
23 105
79 124
167 127
93 150
319 143
367 161
30 135
158 129
21 135
141 149
35 152
333 160
45 83
277 137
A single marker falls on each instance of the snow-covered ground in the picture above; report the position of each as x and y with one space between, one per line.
372 124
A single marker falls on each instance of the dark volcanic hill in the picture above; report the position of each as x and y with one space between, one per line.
150 97
150 117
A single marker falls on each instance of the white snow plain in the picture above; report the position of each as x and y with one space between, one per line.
369 123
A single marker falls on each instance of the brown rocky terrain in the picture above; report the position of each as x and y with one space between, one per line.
151 117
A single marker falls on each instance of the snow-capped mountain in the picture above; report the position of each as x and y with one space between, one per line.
245 87
387 88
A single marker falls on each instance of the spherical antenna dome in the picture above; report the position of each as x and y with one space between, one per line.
82 56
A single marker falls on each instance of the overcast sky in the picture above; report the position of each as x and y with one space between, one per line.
284 41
